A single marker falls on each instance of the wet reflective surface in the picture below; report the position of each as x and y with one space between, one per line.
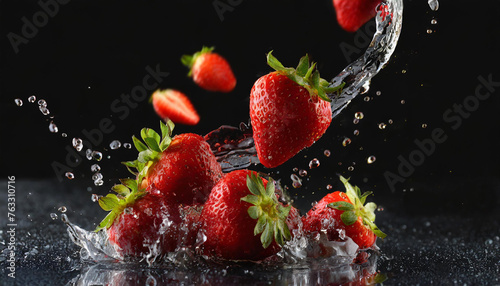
457 247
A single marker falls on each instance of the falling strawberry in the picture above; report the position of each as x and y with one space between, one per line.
340 213
289 110
243 220
210 71
174 105
182 169
352 14
139 223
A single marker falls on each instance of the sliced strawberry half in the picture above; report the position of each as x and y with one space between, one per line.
174 105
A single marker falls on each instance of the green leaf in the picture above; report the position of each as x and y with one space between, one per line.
153 144
278 237
267 236
109 202
252 185
261 224
107 221
254 200
138 144
274 63
341 205
121 190
364 196
270 188
303 66
145 156
348 217
150 133
254 212
130 183
165 143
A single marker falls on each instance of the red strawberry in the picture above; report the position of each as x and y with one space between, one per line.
240 207
352 14
341 213
210 71
182 169
139 223
289 110
174 105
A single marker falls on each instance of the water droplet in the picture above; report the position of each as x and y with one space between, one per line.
355 121
99 182
62 209
346 141
296 181
115 144
380 209
127 145
329 187
18 102
302 173
327 153
371 159
434 21
88 154
350 168
32 99
96 155
359 115
97 176
433 4
42 102
390 121
382 126
64 135
378 93
69 175
314 163
295 169
356 132
53 216
95 197
403 71
403 101
77 144
429 31
44 110
95 168
424 125
365 88
366 98
53 127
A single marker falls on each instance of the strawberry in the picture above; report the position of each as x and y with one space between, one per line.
240 207
289 110
210 71
340 213
352 14
181 169
174 105
139 223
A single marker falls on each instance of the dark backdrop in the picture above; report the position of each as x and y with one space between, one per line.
86 54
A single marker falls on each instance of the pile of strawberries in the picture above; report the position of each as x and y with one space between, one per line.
180 198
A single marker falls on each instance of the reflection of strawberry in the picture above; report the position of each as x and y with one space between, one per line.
289 110
341 213
243 220
352 14
182 169
210 71
174 105
139 223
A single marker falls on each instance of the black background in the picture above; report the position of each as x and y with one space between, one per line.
91 52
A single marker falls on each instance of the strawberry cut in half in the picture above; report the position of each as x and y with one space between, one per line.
340 213
289 110
352 14
174 105
210 70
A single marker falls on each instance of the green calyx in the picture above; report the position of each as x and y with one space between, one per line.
270 214
189 60
126 194
149 151
130 189
357 208
306 75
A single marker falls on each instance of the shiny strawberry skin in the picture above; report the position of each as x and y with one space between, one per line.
285 118
213 73
352 14
149 220
186 171
176 106
226 224
322 217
